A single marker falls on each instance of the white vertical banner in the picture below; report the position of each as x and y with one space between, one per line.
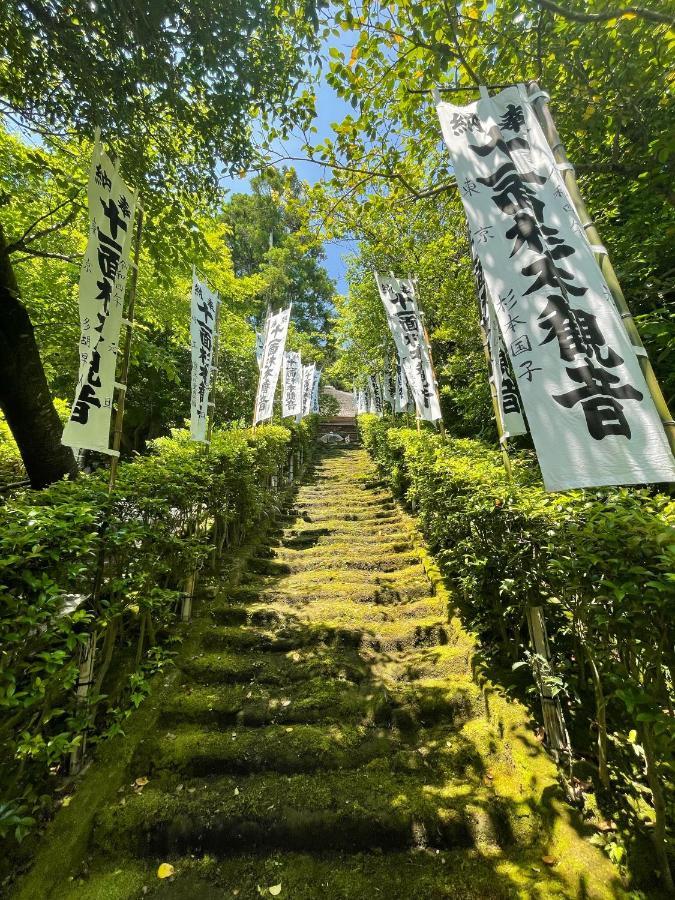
398 297
273 353
307 388
315 391
204 309
506 389
291 385
401 396
361 402
103 279
389 384
376 395
592 418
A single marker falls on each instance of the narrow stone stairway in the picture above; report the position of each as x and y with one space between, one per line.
322 737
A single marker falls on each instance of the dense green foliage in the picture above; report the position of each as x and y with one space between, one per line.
393 190
174 510
47 268
601 563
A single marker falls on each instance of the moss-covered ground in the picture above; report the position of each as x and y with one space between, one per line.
322 737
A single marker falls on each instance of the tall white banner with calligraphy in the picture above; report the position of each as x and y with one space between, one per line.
308 373
291 396
377 405
506 389
592 418
273 354
102 283
315 391
202 338
361 402
401 396
398 297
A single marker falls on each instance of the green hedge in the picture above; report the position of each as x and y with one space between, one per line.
601 562
173 511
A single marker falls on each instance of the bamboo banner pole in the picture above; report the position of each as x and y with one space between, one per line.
86 671
541 108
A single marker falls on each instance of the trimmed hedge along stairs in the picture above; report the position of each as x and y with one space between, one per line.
322 732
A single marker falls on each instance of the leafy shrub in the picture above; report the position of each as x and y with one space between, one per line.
172 512
601 562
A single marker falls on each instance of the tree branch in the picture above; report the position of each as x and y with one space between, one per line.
45 254
649 14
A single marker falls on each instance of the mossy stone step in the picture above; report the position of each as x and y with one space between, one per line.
393 636
419 874
274 668
402 705
287 749
359 810
281 640
313 700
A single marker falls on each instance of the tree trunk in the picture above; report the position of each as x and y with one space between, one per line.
25 398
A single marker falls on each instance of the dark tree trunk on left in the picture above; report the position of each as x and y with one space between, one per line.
25 398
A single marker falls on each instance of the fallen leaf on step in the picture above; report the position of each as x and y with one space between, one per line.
275 890
166 870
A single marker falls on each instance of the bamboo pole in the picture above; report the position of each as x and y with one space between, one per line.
554 723
88 654
543 113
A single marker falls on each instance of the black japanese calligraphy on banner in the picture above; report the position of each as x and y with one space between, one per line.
377 404
399 299
506 388
401 398
291 385
308 374
270 367
202 340
103 280
592 418
315 391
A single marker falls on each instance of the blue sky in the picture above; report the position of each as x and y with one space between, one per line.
329 108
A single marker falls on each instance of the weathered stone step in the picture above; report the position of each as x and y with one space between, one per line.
401 705
288 749
227 667
329 811
417 874
385 635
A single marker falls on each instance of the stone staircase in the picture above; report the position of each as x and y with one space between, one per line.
322 737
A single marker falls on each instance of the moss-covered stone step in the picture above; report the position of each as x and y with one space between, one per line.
313 700
397 635
368 808
298 665
324 558
419 874
301 592
288 749
399 705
